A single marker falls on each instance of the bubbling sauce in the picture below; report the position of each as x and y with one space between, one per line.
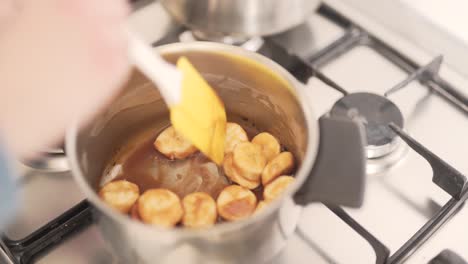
138 161
146 167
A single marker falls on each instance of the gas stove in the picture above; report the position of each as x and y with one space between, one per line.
415 112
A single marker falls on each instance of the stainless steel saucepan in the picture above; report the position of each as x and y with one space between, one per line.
329 154
240 17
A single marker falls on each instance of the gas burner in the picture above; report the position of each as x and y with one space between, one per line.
232 39
249 43
52 160
194 35
375 112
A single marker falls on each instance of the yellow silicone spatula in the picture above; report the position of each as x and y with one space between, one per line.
197 113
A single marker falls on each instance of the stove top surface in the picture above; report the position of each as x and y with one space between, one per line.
400 196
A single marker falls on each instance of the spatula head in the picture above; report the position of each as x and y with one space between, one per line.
200 116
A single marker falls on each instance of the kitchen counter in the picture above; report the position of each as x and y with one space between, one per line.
449 15
438 27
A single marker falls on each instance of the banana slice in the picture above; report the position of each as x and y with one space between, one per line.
270 145
232 173
160 207
280 165
199 210
236 202
173 145
120 195
249 161
274 189
260 206
234 135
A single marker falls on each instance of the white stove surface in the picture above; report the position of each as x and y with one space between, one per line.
397 202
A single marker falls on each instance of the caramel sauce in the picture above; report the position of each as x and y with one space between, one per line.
149 169
134 212
143 165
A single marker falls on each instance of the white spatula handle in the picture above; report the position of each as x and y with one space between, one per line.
165 75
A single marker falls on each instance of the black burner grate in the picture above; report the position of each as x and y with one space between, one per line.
40 242
447 257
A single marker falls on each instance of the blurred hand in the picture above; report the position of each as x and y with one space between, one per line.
60 60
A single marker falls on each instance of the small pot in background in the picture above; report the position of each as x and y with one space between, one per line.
239 19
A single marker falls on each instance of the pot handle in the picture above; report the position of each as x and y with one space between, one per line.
338 175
